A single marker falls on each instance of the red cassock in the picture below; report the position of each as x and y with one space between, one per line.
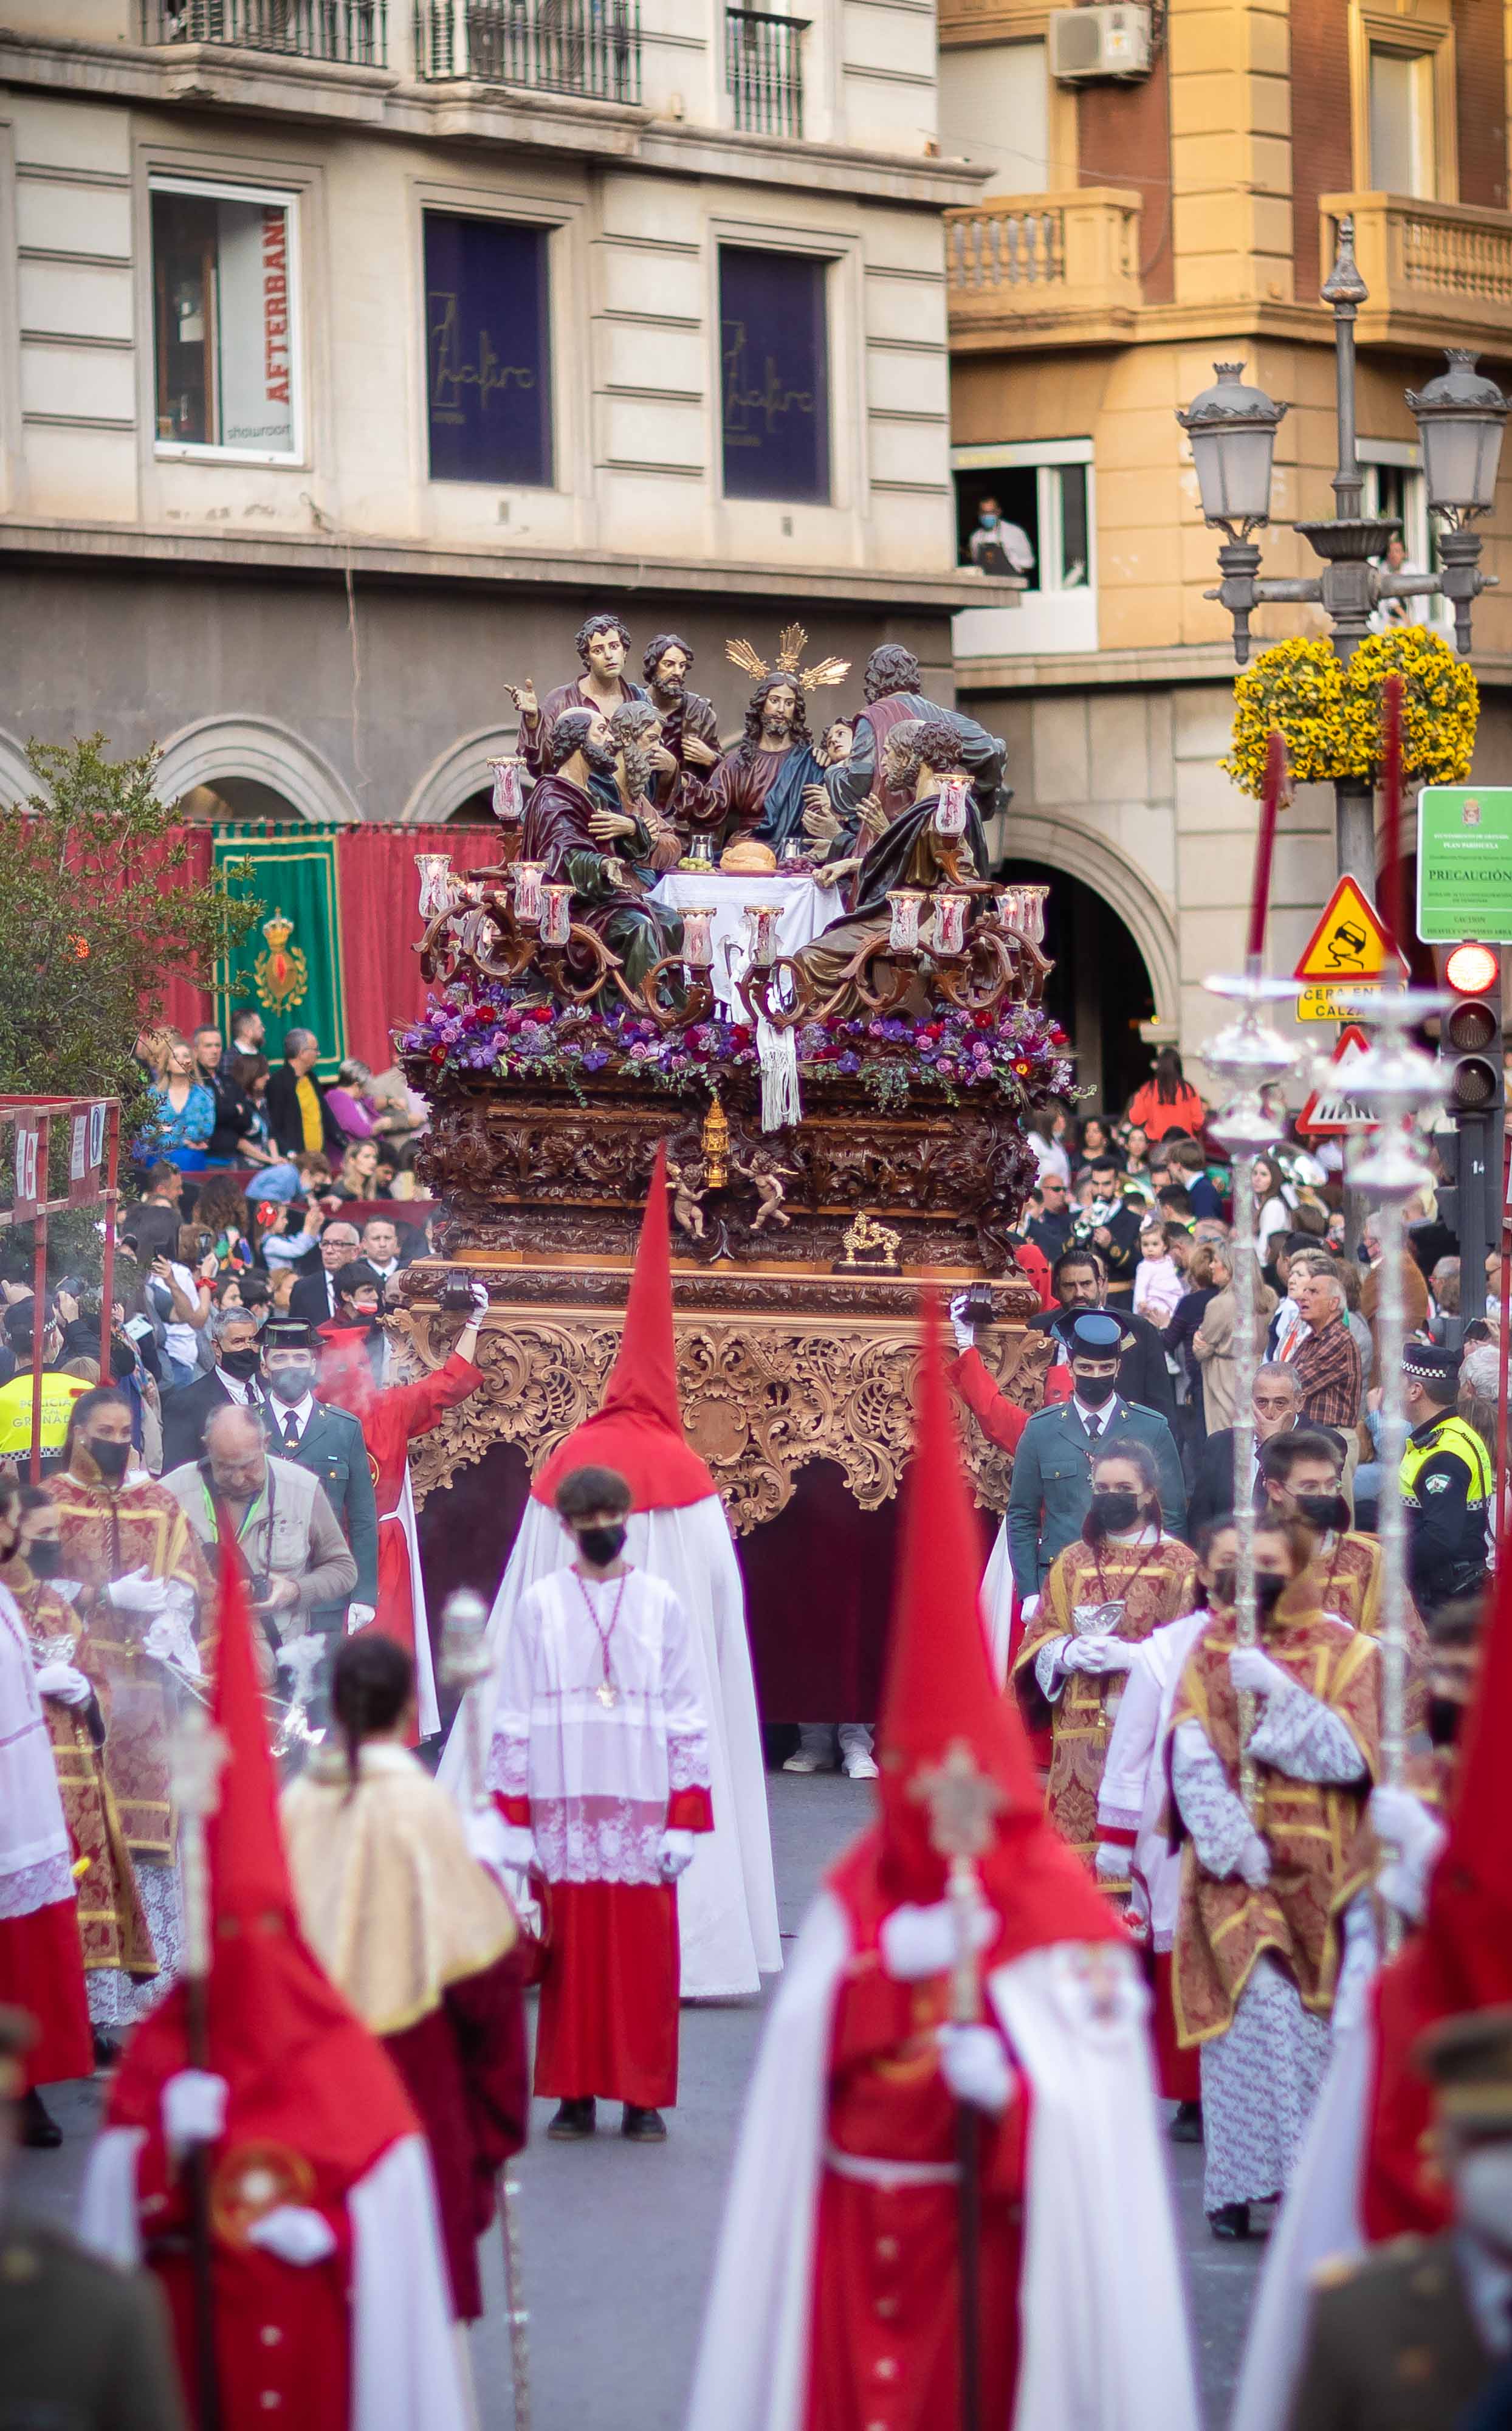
884 2351
42 1970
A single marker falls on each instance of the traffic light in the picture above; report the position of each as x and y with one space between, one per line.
1471 1044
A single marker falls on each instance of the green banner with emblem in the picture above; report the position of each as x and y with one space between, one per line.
290 962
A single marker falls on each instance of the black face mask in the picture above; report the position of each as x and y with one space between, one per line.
44 1559
110 1459
1444 1717
241 1364
1323 1511
601 1546
1268 1591
1116 1507
1094 1390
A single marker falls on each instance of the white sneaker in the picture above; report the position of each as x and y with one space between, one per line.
860 1767
803 1760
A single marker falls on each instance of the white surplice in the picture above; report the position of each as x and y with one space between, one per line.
1132 1793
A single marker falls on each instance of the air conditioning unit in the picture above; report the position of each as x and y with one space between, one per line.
1111 39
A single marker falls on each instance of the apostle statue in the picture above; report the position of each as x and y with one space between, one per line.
908 852
893 690
576 838
602 641
689 727
758 790
649 784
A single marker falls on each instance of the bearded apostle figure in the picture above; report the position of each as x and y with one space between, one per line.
677 1533
759 788
893 687
590 844
835 2302
319 2236
1260 1926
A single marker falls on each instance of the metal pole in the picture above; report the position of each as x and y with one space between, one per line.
1246 1618
38 1289
1504 1296
1391 1523
113 1200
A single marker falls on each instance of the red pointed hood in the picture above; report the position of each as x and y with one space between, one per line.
638 1428
941 1693
304 2074
345 1378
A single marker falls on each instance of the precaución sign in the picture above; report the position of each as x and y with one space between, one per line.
1465 864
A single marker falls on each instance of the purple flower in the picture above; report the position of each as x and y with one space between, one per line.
847 1062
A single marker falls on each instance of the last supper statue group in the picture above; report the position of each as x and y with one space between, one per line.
629 780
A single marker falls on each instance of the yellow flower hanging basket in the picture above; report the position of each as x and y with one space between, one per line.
1330 714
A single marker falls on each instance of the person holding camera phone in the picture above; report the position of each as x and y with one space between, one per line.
297 1561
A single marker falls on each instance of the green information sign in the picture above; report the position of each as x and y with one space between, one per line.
1465 864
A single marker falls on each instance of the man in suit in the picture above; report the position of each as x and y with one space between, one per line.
1277 1405
313 1298
233 1378
1050 1222
298 1117
1051 1488
1080 1281
382 1248
329 1444
1415 2335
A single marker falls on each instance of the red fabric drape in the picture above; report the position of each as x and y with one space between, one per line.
377 891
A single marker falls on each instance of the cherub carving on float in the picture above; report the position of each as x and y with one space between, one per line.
758 789
688 1215
766 1175
598 851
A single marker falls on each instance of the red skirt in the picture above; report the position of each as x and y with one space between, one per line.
1178 2076
42 1970
608 2021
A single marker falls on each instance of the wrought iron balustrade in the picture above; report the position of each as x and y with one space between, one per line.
352 33
592 48
764 70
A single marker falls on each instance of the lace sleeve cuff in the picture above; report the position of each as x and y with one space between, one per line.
687 1759
1300 1735
1213 1815
509 1766
1050 1678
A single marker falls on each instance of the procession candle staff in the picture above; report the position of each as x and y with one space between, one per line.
198 1754
466 1664
963 1802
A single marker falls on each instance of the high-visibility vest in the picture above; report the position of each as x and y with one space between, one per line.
1451 1434
59 1394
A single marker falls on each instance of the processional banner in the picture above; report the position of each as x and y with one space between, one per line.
290 962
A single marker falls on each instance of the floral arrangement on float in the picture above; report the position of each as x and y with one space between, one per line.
1329 714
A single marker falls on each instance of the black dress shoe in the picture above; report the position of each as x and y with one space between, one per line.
1186 2127
39 2128
573 2121
1229 2221
643 2126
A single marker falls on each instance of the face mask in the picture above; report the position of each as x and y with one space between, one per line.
1483 2194
241 1364
601 1546
1094 1390
1225 1587
45 1557
291 1384
1444 1715
1321 1510
988 520
110 1459
1268 1591
1116 1507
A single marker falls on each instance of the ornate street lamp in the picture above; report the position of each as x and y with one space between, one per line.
1460 419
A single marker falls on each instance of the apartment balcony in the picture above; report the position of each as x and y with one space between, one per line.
763 70
342 33
1062 268
1439 273
589 48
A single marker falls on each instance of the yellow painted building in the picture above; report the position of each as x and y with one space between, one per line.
1132 231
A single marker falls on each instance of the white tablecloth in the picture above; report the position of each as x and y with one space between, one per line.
806 910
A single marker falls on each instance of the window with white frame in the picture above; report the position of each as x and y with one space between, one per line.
226 336
1395 488
1025 507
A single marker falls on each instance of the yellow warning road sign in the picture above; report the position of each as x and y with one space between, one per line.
1348 942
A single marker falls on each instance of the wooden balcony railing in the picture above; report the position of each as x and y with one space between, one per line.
1064 266
353 33
1439 273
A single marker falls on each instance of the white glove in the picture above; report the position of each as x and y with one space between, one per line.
1112 1865
136 1592
487 1836
1096 1654
193 2106
1417 1837
961 1326
357 1617
516 1847
674 1853
60 1680
1253 1864
294 2233
480 1303
1249 1669
975 2067
169 1640
920 1941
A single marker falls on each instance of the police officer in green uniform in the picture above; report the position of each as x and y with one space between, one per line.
1447 1481
1416 2334
83 2347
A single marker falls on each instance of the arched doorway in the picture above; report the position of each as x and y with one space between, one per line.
1099 990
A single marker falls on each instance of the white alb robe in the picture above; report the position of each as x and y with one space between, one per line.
1132 1793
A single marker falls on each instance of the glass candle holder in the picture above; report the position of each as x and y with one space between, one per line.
1007 906
1031 913
435 874
556 915
906 904
761 933
509 790
949 924
527 875
950 809
698 944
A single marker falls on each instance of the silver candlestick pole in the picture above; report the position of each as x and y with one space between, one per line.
1253 1058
